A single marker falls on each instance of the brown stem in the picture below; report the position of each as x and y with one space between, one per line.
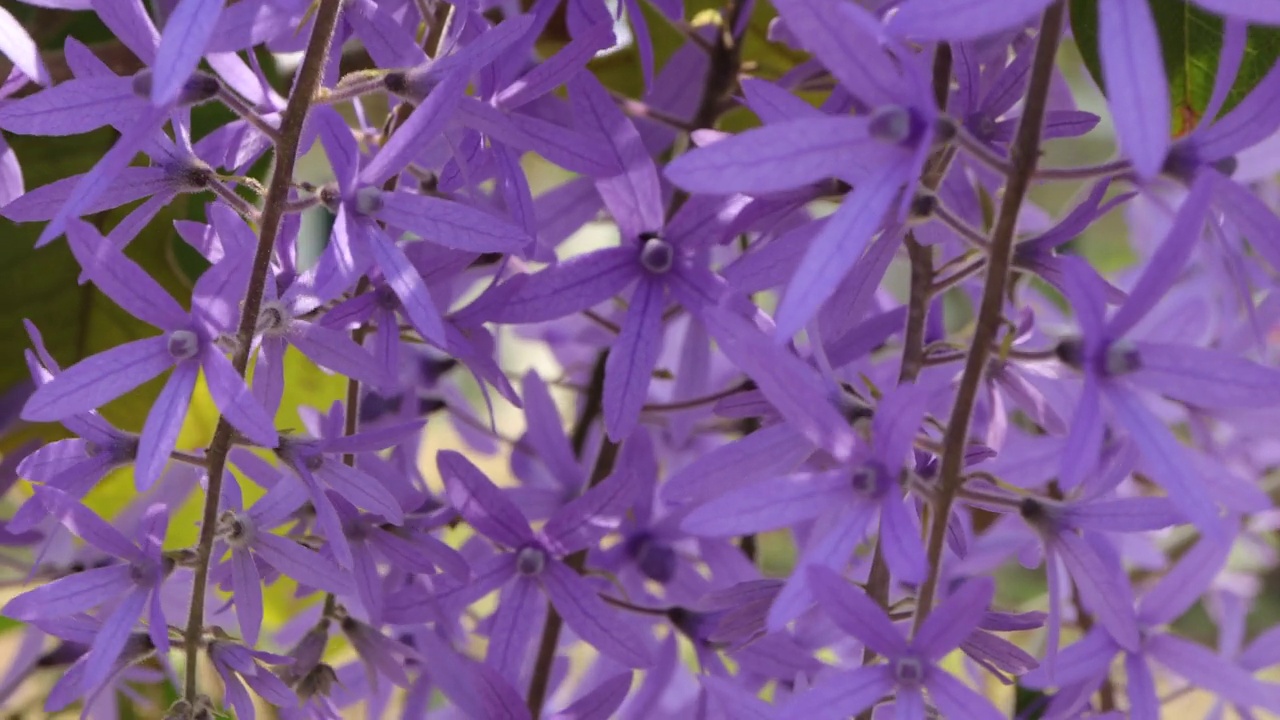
1025 152
291 123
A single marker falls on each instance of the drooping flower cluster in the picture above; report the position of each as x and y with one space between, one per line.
531 363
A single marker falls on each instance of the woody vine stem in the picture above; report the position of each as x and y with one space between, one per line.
286 152
1024 154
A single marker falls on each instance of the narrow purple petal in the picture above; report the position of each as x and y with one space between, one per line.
247 586
75 593
776 157
900 536
841 695
1206 378
570 286
954 619
629 367
855 613
123 280
478 500
962 19
769 505
1137 92
111 640
546 431
1205 668
1144 703
424 124
73 106
1167 262
1167 460
1185 582
363 490
450 224
233 398
1103 588
955 699
835 250
307 567
601 702
98 379
164 423
586 614
632 195
1084 438
186 35
408 285
18 46
770 452
512 628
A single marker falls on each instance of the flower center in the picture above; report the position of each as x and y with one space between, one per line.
237 529
870 480
368 200
531 561
908 671
895 125
655 560
1122 358
273 319
656 255
183 344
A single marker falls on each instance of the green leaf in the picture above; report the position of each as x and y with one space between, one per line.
41 285
1190 42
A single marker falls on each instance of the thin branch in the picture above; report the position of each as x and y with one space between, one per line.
1025 154
291 124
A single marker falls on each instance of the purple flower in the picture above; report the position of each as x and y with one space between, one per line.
911 665
188 345
531 562
843 501
128 588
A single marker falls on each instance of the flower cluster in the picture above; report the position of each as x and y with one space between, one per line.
758 373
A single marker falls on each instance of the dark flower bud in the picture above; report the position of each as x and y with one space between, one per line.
331 197
1071 352
319 681
396 82
198 88
923 205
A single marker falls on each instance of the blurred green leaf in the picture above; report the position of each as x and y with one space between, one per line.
1190 41
41 285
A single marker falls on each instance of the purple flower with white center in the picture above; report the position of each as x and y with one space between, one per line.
246 534
1113 364
880 151
359 241
1081 667
239 666
910 666
844 502
128 589
533 563
317 465
188 345
657 257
